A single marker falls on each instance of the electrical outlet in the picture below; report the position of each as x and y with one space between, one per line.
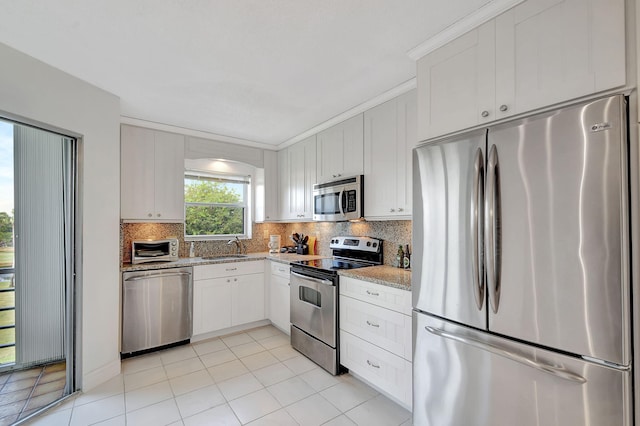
265 234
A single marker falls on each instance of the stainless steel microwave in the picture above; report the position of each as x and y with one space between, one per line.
339 200
143 251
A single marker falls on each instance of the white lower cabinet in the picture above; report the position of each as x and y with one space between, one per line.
375 336
211 305
279 298
384 370
384 328
226 295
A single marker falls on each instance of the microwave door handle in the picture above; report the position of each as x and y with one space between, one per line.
341 202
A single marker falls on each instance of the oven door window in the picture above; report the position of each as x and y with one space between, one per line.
310 295
327 203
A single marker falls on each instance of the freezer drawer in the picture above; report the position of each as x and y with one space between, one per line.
156 308
467 377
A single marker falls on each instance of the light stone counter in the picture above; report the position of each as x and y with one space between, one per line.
193 261
385 275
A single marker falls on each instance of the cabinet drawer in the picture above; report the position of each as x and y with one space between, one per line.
205 272
380 295
386 371
387 329
280 269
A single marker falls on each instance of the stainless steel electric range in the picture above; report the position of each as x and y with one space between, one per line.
315 298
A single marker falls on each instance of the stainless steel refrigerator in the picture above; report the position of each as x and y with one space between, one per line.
521 276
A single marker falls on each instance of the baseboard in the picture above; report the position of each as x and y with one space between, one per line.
100 375
230 330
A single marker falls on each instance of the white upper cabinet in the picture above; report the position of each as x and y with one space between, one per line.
540 53
550 51
271 185
152 175
340 150
389 137
456 83
297 175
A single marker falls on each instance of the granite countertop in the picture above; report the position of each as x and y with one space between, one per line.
383 274
193 261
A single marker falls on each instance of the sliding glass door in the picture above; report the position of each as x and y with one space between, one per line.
38 181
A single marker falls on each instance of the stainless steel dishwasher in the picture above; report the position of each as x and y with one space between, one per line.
156 308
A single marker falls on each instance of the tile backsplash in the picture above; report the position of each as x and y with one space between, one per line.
393 233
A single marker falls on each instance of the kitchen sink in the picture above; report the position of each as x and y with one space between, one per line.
226 256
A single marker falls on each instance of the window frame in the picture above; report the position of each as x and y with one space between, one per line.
246 204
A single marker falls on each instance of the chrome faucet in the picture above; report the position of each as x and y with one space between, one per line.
239 246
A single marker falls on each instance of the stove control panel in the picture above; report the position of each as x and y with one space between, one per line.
356 243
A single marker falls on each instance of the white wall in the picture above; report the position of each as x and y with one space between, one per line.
36 91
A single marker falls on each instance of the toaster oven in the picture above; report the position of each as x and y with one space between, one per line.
143 251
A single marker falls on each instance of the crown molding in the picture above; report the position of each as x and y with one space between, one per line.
367 105
466 24
194 133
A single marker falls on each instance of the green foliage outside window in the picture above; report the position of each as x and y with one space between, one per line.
6 230
214 208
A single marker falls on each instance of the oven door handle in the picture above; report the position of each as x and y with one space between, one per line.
316 280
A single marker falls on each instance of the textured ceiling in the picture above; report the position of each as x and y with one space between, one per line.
259 70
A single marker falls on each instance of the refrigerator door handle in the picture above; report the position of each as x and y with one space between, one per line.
546 368
477 218
492 237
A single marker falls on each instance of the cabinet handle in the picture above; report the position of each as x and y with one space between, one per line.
231 269
400 209
150 215
392 210
158 214
503 107
235 279
228 280
372 364
371 293
484 114
369 323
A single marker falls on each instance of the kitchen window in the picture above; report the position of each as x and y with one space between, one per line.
216 206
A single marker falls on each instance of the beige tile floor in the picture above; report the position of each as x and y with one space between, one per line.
26 391
254 378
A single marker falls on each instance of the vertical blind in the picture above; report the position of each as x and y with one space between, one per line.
42 238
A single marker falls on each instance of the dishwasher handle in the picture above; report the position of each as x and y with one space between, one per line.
160 275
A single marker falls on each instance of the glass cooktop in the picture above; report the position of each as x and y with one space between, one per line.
330 264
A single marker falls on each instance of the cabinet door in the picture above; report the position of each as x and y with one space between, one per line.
247 294
390 134
302 176
271 186
557 50
169 177
407 137
279 303
340 150
284 179
381 160
457 84
211 305
137 173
